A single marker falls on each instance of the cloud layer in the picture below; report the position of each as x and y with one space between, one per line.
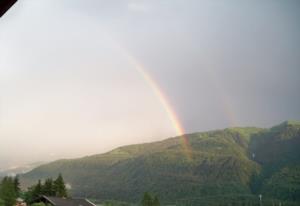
67 88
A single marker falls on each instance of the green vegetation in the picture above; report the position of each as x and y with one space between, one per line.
148 200
50 187
39 204
9 190
284 184
59 187
225 167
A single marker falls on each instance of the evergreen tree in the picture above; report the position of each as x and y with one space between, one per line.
17 185
60 187
48 187
7 191
147 199
37 190
28 195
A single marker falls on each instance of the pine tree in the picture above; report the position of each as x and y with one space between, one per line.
48 187
28 195
17 185
37 190
7 191
60 187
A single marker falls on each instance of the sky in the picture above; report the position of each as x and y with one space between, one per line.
81 77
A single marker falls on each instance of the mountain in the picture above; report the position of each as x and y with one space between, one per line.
233 166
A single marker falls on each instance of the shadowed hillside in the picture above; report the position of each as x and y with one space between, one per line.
234 164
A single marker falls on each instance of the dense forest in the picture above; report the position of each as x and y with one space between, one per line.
234 166
10 190
50 187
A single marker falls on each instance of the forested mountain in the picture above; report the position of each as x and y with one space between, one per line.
230 165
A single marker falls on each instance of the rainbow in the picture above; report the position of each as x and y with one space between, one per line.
158 92
224 98
160 96
164 102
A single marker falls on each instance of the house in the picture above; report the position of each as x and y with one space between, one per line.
58 201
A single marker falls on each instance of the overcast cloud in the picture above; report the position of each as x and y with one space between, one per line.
68 90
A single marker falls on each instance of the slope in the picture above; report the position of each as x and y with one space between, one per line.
235 163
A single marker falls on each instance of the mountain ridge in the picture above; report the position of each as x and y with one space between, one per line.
232 162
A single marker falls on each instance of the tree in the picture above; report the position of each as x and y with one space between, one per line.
48 187
147 199
28 195
7 191
60 187
17 185
36 191
55 188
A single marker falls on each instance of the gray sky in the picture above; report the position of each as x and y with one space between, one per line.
67 88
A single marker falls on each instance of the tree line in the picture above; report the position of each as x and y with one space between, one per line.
10 190
50 187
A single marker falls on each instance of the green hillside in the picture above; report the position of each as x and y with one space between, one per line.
226 167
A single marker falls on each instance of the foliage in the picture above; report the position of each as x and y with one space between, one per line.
223 167
284 184
17 185
59 187
9 190
50 187
149 200
33 192
38 204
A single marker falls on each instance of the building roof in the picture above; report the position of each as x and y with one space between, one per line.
57 201
5 5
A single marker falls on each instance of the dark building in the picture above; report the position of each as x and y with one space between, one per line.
5 5
57 201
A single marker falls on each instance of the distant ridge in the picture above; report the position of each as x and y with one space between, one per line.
231 165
